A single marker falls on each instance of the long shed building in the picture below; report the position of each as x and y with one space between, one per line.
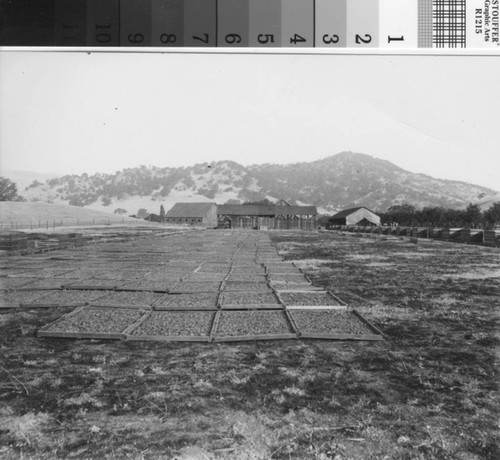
266 216
355 216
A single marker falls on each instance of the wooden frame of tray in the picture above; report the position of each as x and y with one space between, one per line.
121 288
167 338
260 306
88 287
125 306
294 277
215 325
182 291
295 287
292 323
367 323
24 289
53 305
292 270
246 338
162 308
189 279
367 337
242 279
318 307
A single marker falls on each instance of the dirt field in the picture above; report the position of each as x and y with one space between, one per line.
428 391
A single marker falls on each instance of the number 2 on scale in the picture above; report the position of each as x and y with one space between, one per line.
366 39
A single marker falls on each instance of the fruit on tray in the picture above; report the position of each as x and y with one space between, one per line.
248 298
68 297
253 323
291 298
328 322
246 286
201 300
176 323
97 320
199 286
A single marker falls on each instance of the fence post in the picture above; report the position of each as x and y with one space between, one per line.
47 224
93 221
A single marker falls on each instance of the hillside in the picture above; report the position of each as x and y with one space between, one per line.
24 178
42 212
343 180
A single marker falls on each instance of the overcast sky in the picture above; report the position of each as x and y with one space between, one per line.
74 112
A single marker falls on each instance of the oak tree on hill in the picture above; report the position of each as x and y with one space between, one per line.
8 190
492 214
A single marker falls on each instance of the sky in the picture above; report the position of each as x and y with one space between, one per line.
74 112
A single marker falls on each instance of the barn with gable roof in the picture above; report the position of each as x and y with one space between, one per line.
193 214
355 216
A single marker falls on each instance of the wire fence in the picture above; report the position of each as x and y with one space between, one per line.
53 223
487 237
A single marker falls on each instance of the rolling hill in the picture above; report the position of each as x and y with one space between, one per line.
340 181
19 212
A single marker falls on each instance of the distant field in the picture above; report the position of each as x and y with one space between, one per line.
24 213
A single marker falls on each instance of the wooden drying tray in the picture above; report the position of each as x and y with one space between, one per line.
45 332
376 334
163 338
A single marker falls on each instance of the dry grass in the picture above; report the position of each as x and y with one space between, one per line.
26 211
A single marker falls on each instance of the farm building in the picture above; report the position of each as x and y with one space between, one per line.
282 216
196 214
153 218
355 216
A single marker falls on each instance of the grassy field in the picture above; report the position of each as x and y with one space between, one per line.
25 212
429 391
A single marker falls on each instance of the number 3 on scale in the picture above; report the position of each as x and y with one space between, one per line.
330 39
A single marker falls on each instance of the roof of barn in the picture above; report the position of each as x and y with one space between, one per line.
348 212
190 210
264 210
